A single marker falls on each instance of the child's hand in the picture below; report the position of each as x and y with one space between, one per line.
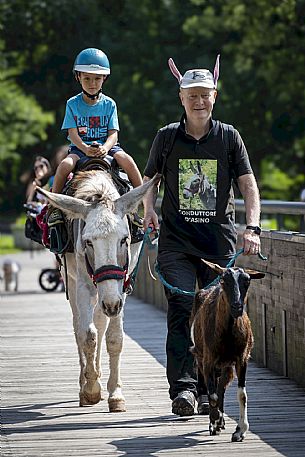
96 150
102 151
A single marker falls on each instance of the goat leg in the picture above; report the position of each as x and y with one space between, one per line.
211 382
243 424
225 378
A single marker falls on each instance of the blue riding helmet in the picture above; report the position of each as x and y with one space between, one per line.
92 60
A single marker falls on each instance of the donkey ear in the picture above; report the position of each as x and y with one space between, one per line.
129 202
254 274
73 207
215 267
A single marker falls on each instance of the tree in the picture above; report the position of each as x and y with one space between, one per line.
262 85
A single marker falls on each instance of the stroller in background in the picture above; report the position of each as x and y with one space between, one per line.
49 278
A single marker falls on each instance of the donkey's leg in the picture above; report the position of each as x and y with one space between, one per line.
101 322
114 343
75 314
243 424
87 336
70 285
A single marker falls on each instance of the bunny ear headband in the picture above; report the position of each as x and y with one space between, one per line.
179 77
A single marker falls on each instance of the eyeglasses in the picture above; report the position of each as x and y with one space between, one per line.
39 167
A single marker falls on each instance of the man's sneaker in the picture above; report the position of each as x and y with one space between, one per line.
184 404
203 405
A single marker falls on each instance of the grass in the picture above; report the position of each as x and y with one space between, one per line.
7 245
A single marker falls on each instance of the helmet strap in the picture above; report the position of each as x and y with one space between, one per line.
94 96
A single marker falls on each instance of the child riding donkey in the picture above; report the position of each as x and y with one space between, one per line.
92 123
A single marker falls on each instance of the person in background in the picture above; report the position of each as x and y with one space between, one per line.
197 219
42 173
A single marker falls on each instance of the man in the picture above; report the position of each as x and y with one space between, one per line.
197 218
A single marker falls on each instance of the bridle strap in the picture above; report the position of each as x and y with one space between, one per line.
109 272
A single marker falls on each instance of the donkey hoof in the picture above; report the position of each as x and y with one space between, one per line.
88 399
116 405
238 436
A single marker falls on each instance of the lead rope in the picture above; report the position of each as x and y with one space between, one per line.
66 277
132 277
177 290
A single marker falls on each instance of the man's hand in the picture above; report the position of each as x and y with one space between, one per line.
151 220
252 243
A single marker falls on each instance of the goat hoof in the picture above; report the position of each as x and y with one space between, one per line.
116 405
221 423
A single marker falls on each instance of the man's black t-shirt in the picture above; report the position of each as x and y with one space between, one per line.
198 207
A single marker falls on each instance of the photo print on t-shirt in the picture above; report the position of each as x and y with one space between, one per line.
197 187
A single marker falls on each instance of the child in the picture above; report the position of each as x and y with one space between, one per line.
92 123
91 120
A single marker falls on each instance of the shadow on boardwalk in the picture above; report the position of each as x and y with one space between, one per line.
39 392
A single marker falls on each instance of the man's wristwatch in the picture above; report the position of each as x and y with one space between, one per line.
255 228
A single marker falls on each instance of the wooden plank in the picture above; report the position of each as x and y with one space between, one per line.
40 416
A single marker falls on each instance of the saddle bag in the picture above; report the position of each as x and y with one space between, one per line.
59 233
32 231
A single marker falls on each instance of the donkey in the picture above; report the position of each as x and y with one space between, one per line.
102 249
199 184
222 336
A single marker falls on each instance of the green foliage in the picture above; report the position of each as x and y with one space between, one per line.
7 245
261 87
278 185
23 125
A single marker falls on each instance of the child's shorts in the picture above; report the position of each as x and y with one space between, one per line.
80 154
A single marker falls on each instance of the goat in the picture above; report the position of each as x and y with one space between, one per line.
222 337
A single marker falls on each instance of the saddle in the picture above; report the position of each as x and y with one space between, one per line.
108 164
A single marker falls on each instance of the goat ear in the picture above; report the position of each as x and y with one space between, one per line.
215 267
254 274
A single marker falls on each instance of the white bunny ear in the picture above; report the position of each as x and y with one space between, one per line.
216 70
174 69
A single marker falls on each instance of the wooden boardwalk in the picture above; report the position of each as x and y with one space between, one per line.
40 416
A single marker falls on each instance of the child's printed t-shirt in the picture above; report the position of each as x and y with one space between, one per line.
92 121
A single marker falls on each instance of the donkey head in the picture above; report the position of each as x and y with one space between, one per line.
235 283
105 237
192 186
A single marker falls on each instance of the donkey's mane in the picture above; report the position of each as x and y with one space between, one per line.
95 186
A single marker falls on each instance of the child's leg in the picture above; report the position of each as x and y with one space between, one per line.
63 170
126 162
